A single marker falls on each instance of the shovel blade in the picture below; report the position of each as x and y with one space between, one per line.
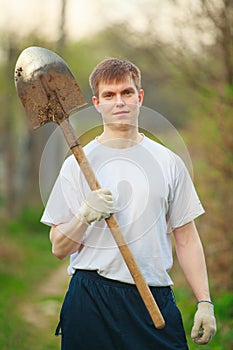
46 86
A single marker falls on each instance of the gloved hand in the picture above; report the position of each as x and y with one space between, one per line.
204 326
97 206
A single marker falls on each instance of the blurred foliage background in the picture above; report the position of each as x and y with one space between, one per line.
187 77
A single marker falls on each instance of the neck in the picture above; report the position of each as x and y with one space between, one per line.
120 139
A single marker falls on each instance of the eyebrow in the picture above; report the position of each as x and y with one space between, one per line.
130 88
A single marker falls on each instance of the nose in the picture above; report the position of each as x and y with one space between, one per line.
119 100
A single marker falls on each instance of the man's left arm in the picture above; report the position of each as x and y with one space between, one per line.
191 258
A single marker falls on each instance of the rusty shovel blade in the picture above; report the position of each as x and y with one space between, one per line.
46 86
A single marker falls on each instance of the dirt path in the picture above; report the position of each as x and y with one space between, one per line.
42 310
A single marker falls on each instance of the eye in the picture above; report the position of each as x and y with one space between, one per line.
128 92
108 95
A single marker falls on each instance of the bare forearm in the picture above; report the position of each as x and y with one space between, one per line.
62 246
66 238
192 260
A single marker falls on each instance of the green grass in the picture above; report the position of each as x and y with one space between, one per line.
26 260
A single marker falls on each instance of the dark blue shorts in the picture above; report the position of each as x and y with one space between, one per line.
102 314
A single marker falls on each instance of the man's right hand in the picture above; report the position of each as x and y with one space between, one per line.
97 206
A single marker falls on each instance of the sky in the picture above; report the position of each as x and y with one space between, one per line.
43 16
86 17
83 17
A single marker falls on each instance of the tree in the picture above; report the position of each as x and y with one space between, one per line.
210 77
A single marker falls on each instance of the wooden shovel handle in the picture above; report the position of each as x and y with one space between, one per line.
114 227
138 278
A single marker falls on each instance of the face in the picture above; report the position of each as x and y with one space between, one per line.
119 104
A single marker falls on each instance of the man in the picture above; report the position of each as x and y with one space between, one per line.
150 191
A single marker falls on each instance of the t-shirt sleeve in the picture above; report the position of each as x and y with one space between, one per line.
63 202
184 203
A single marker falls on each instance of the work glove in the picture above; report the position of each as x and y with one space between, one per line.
97 206
204 326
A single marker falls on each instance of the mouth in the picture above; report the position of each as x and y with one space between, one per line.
121 113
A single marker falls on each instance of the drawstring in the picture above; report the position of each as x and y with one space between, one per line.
58 329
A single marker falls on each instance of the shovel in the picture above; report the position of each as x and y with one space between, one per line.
49 92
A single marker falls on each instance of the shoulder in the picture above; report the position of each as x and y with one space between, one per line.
70 165
90 146
170 162
160 151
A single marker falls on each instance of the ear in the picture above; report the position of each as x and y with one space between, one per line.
95 102
140 96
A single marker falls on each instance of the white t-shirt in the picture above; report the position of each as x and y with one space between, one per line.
154 193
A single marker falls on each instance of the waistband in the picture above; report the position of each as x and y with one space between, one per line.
95 276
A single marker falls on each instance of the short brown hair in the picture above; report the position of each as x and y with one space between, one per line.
114 69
